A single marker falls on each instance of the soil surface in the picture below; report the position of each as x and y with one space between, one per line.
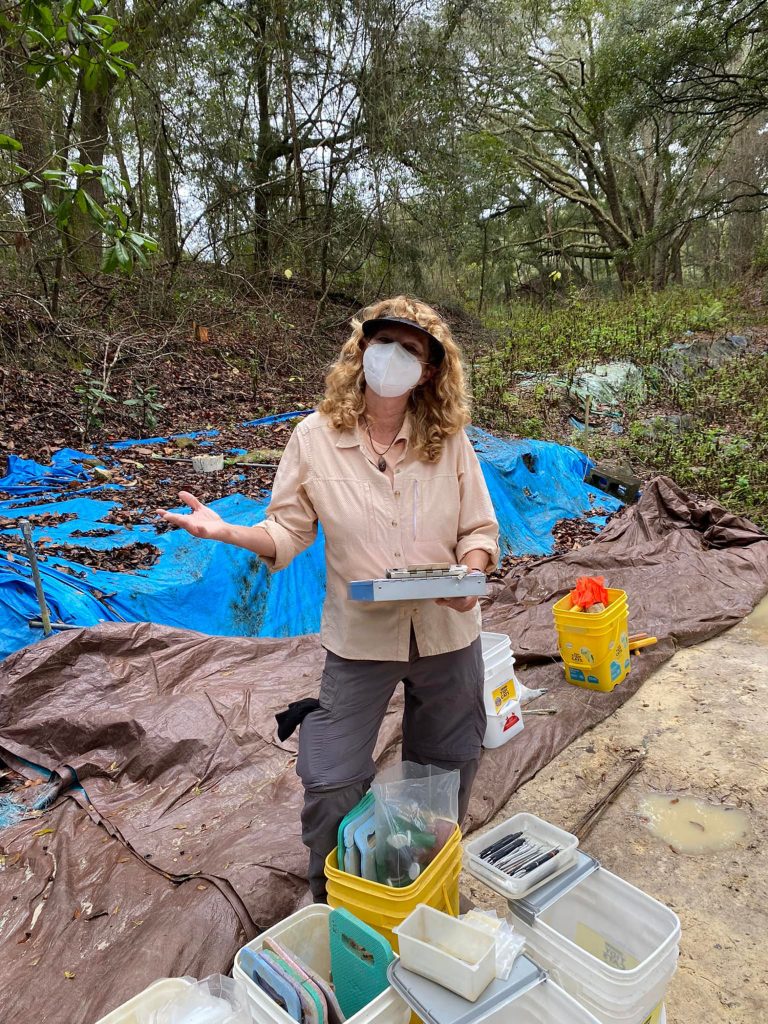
703 720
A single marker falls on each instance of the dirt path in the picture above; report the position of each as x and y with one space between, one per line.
704 721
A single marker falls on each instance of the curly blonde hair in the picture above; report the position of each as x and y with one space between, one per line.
439 408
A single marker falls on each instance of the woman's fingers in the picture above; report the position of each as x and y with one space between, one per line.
191 500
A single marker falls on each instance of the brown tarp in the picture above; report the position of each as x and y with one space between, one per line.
190 842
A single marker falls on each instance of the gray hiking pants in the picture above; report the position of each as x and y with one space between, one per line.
443 725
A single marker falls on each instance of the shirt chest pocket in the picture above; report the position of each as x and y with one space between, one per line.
436 509
344 507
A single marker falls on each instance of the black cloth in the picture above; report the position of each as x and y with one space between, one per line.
288 721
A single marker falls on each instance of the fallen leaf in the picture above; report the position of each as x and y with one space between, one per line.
113 767
44 832
117 909
179 826
123 860
675 801
69 975
77 913
33 782
202 888
697 824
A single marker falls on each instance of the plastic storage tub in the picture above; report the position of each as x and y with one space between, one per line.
452 953
384 907
607 943
545 1003
515 888
594 648
152 998
504 718
306 934
528 996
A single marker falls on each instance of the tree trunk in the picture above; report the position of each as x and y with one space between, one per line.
166 204
262 163
30 128
95 105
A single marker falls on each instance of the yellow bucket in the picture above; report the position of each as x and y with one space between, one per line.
384 907
594 648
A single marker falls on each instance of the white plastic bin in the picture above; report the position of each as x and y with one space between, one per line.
152 998
537 828
504 718
451 952
608 944
306 934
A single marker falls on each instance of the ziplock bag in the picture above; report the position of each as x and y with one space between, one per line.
417 808
509 943
215 1000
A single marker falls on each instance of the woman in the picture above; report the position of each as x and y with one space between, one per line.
386 467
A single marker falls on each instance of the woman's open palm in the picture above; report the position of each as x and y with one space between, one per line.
202 522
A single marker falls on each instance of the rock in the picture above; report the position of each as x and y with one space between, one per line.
672 424
705 353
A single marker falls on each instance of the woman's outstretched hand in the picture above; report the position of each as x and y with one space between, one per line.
202 522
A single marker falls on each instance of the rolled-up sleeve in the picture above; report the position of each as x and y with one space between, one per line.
478 528
291 520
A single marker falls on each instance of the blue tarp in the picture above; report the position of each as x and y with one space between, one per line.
222 590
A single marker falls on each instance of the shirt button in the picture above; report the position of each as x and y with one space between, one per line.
394 522
397 494
397 554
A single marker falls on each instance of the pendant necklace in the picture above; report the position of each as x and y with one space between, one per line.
382 463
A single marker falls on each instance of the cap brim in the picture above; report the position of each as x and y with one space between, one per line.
370 327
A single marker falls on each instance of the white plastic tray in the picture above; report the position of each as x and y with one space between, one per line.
451 952
537 828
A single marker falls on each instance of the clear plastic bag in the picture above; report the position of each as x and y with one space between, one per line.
509 945
417 808
215 1000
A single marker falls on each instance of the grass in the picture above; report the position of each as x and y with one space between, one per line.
718 443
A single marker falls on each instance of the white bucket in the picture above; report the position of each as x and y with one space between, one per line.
545 1003
504 718
143 1005
306 934
611 946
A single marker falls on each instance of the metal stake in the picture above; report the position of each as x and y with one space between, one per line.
26 532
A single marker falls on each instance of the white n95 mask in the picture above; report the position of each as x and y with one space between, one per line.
390 370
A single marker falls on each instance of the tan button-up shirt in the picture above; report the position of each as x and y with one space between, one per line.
418 512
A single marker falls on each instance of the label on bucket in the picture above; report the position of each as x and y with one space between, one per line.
655 1017
506 692
593 942
510 723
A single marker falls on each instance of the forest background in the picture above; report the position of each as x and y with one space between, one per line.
195 195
